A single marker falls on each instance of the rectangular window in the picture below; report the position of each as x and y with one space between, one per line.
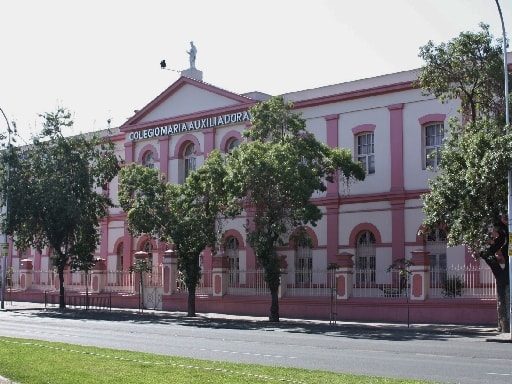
365 152
434 134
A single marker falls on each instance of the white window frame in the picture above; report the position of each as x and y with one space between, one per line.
436 245
233 256
366 260
365 151
189 160
148 160
303 264
433 136
232 144
148 248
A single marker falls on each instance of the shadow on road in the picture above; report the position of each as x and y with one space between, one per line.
373 331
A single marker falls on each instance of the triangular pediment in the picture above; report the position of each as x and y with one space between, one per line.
184 99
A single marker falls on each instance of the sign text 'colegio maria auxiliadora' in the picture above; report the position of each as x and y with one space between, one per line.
207 122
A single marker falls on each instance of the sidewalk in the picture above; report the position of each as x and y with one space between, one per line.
486 333
5 380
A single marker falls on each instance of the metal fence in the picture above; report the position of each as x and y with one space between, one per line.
462 281
310 282
454 281
247 283
380 283
79 301
203 288
120 281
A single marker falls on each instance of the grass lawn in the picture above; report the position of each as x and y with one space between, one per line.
33 362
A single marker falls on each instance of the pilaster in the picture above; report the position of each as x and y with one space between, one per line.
396 137
170 270
344 276
331 122
98 276
420 275
209 141
163 142
283 284
26 274
220 274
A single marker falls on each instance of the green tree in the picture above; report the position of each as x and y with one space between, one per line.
469 194
185 215
468 68
54 189
274 175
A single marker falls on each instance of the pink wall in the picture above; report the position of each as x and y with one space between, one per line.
441 311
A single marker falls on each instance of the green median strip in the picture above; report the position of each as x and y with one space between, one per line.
33 361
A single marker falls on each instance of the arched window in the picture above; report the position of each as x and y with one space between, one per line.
365 151
436 243
189 157
303 260
365 258
119 264
148 160
232 144
119 253
233 260
148 247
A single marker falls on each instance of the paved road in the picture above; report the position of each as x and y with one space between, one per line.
444 354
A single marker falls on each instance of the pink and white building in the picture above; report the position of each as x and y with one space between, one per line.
387 124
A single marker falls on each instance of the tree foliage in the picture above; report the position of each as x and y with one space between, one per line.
54 189
468 68
274 176
468 197
471 191
184 215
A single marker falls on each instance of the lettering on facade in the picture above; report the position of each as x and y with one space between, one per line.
174 129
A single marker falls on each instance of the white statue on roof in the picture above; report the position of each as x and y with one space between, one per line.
192 55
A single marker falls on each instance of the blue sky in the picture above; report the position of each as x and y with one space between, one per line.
100 58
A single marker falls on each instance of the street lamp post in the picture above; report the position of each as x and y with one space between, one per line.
5 251
5 245
509 211
141 265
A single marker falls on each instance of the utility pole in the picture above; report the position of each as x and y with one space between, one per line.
509 211
4 246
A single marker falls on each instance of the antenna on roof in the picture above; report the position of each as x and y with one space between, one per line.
163 65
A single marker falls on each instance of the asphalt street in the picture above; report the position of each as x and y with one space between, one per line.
447 353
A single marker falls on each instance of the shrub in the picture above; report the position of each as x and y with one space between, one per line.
452 286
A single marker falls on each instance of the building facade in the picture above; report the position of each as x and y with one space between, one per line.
388 124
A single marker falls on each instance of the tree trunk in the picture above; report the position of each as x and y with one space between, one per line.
502 294
502 300
274 306
191 276
191 302
273 279
87 290
501 274
62 301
